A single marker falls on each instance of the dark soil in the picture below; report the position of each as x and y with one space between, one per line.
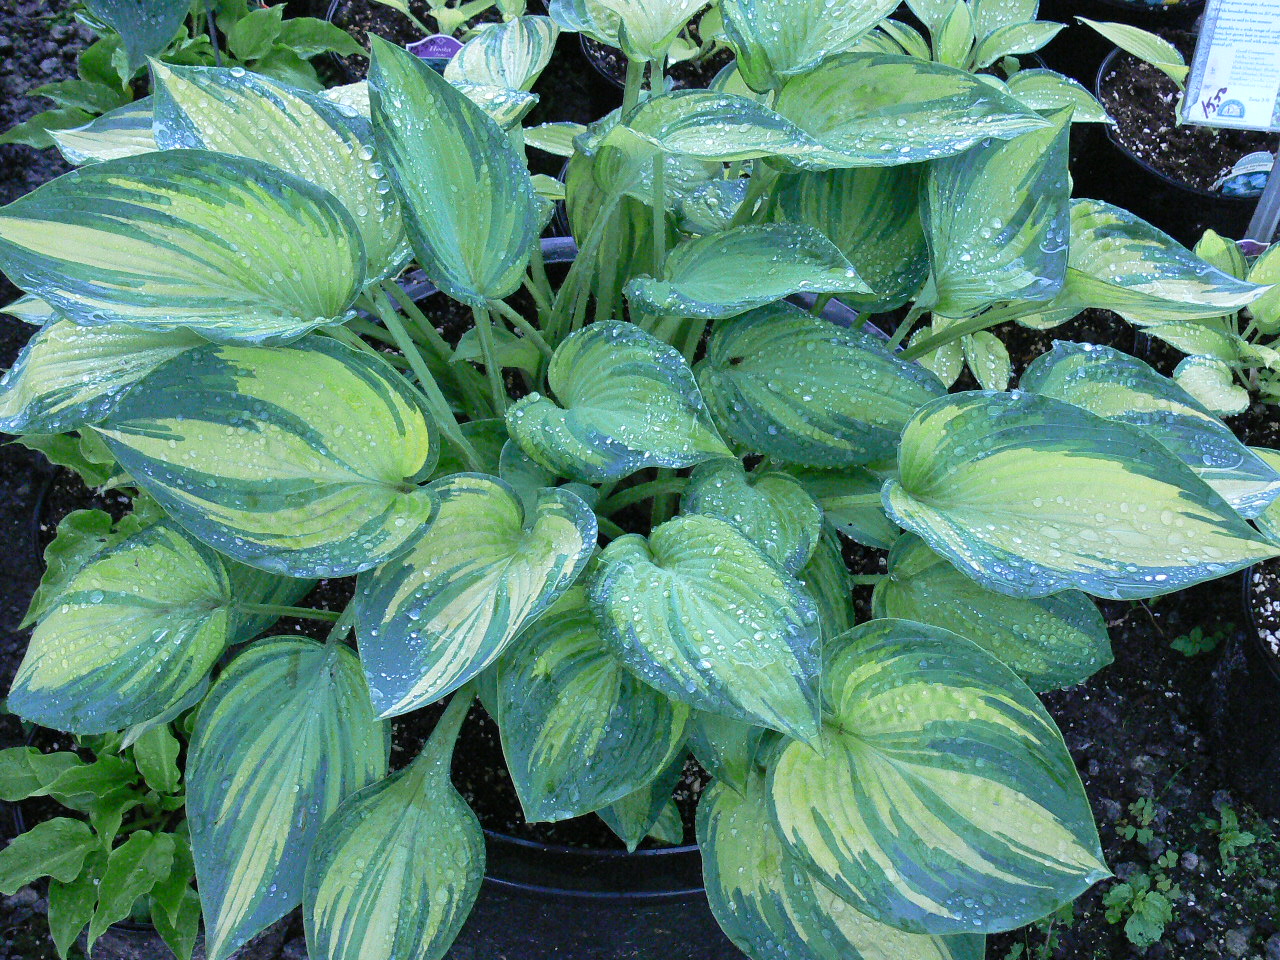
1143 102
688 74
361 18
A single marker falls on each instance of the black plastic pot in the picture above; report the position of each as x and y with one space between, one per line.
593 51
1245 717
1115 174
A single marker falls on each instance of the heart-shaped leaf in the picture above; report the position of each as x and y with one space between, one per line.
1010 489
410 901
777 39
579 731
872 215
699 612
1045 91
626 401
851 504
774 909
646 28
1119 387
1050 642
724 274
434 617
997 219
123 132
469 205
68 376
881 110
787 384
128 634
285 735
1213 384
772 509
145 26
249 115
507 55
941 798
297 460
231 248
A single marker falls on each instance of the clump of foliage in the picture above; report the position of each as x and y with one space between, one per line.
613 515
1144 904
228 33
125 852
455 17
1198 641
1231 838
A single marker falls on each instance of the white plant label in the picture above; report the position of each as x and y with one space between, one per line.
1235 77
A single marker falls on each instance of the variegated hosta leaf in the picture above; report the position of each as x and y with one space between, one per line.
1045 91
285 735
882 110
249 115
626 401
826 579
589 17
699 612
128 634
1124 264
1050 642
229 247
774 909
711 206
434 617
31 310
1213 384
777 39
297 460
724 274
1119 387
647 27
997 219
941 798
850 501
579 731
395 871
469 205
872 215
122 132
145 26
1269 522
509 55
69 375
725 747
636 815
773 510
787 384
1031 496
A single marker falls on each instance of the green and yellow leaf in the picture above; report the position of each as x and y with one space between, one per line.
123 132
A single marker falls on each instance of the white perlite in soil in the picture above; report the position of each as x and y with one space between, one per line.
1266 605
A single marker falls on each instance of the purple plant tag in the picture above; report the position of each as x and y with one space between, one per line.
1251 248
437 49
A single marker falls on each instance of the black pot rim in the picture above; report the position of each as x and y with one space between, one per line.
593 60
1251 626
1200 192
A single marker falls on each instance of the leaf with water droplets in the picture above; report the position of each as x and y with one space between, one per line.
123 132
248 115
772 509
626 401
997 220
826 579
229 247
579 731
396 869
145 26
777 39
787 384
285 735
941 798
1269 521
31 310
1045 92
872 216
1050 642
68 375
1119 387
636 815
699 612
1213 383
646 28
508 55
296 460
470 207
728 273
772 908
431 619
1031 496
132 630
725 747
881 110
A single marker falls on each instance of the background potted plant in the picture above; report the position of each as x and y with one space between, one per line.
628 520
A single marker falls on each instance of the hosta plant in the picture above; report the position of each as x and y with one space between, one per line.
614 509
